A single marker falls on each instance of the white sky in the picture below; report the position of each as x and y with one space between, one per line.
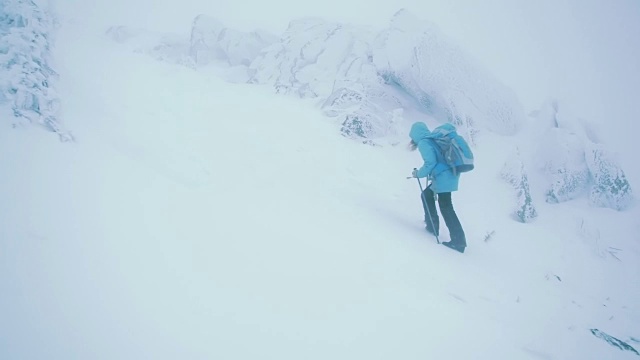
584 52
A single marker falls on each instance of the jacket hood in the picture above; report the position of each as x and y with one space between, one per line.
419 131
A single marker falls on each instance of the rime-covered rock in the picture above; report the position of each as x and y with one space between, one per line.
575 163
564 165
369 81
364 77
211 41
415 56
560 155
310 56
515 174
332 61
364 114
27 80
610 187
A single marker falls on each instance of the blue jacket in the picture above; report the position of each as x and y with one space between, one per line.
442 178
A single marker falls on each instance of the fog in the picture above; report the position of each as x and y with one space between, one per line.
585 53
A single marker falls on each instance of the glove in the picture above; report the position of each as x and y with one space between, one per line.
414 173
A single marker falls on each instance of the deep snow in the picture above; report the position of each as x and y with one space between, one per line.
194 218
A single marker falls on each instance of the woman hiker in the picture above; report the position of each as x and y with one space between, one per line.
443 182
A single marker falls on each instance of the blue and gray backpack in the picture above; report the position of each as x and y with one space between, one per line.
454 150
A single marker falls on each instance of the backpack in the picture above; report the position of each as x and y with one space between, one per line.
453 148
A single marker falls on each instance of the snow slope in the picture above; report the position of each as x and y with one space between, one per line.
375 83
195 218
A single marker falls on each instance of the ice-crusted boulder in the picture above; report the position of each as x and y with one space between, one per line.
562 155
163 47
211 41
415 56
27 80
575 163
367 109
310 56
514 173
360 114
610 188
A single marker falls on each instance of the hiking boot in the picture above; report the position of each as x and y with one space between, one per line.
454 246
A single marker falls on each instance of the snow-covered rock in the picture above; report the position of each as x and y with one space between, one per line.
514 173
562 155
211 41
27 80
371 82
415 56
559 155
332 62
364 77
574 163
610 187
365 112
310 56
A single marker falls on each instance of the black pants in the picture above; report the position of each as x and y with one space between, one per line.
450 218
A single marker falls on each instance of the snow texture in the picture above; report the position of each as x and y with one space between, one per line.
515 174
28 79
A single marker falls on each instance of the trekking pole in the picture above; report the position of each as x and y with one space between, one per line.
426 206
